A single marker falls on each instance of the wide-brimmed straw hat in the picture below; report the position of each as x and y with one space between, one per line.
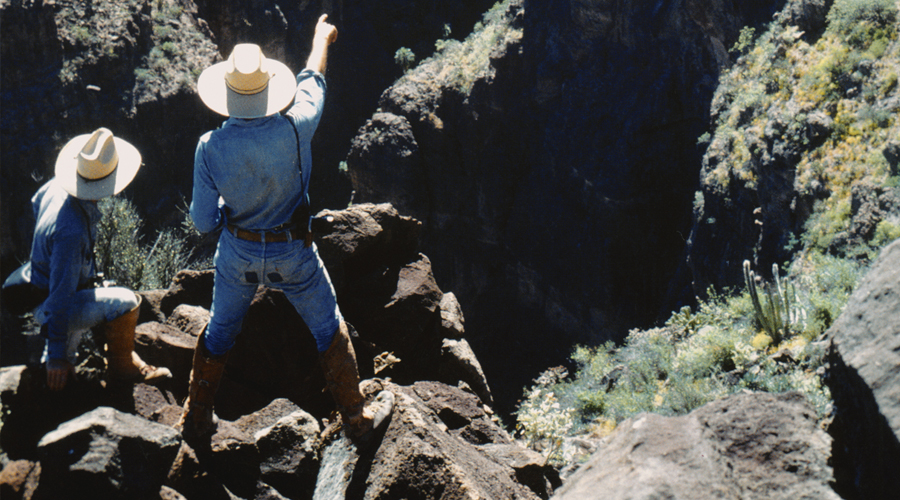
96 165
247 85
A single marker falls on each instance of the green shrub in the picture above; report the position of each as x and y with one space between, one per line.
847 15
122 257
405 58
117 247
745 40
542 421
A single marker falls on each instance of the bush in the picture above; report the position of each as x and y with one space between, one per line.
699 356
122 257
542 422
846 15
405 58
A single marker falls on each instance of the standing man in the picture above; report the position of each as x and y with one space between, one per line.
89 167
251 178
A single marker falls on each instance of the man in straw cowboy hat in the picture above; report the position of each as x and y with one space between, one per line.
89 167
251 178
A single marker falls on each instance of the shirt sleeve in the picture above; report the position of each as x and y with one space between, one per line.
205 208
69 248
308 103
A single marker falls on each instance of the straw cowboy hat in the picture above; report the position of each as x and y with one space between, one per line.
247 85
96 165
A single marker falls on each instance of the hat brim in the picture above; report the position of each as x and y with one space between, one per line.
84 189
219 98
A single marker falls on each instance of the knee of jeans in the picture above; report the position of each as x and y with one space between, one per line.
124 301
131 299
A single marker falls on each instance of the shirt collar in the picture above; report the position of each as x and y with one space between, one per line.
245 122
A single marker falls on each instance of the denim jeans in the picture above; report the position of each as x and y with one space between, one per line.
297 270
87 309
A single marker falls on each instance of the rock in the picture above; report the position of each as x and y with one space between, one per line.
748 446
189 319
460 363
164 345
362 239
150 400
397 310
32 410
422 451
19 479
452 321
191 479
107 454
531 467
864 378
150 306
189 287
232 458
290 460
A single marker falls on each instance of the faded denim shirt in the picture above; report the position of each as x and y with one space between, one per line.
62 256
246 172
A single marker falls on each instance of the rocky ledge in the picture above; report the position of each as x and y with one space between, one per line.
275 438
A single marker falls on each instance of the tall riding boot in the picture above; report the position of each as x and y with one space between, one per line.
123 364
342 377
205 377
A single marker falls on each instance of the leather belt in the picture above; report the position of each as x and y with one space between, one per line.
293 234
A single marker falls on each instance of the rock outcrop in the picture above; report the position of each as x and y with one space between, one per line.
864 378
121 443
747 446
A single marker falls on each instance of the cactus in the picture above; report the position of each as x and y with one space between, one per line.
779 311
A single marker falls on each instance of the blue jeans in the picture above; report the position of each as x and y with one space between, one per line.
241 266
87 309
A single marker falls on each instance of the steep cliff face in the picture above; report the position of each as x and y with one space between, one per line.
803 155
555 179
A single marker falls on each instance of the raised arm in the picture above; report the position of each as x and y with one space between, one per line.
325 35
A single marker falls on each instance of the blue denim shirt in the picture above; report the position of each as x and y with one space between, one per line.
246 172
62 256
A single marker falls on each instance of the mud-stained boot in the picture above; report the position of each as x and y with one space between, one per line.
123 364
198 417
342 377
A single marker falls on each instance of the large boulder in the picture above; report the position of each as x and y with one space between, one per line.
864 378
441 443
106 454
747 446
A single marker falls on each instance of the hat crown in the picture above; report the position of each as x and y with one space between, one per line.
247 73
98 158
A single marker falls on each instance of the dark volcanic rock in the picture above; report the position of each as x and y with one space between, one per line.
108 454
423 455
748 446
864 378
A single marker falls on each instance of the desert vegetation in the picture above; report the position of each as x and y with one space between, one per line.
831 96
129 254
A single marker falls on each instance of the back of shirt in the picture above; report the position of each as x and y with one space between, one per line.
254 165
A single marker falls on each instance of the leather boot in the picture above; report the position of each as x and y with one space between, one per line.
123 364
342 378
205 377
